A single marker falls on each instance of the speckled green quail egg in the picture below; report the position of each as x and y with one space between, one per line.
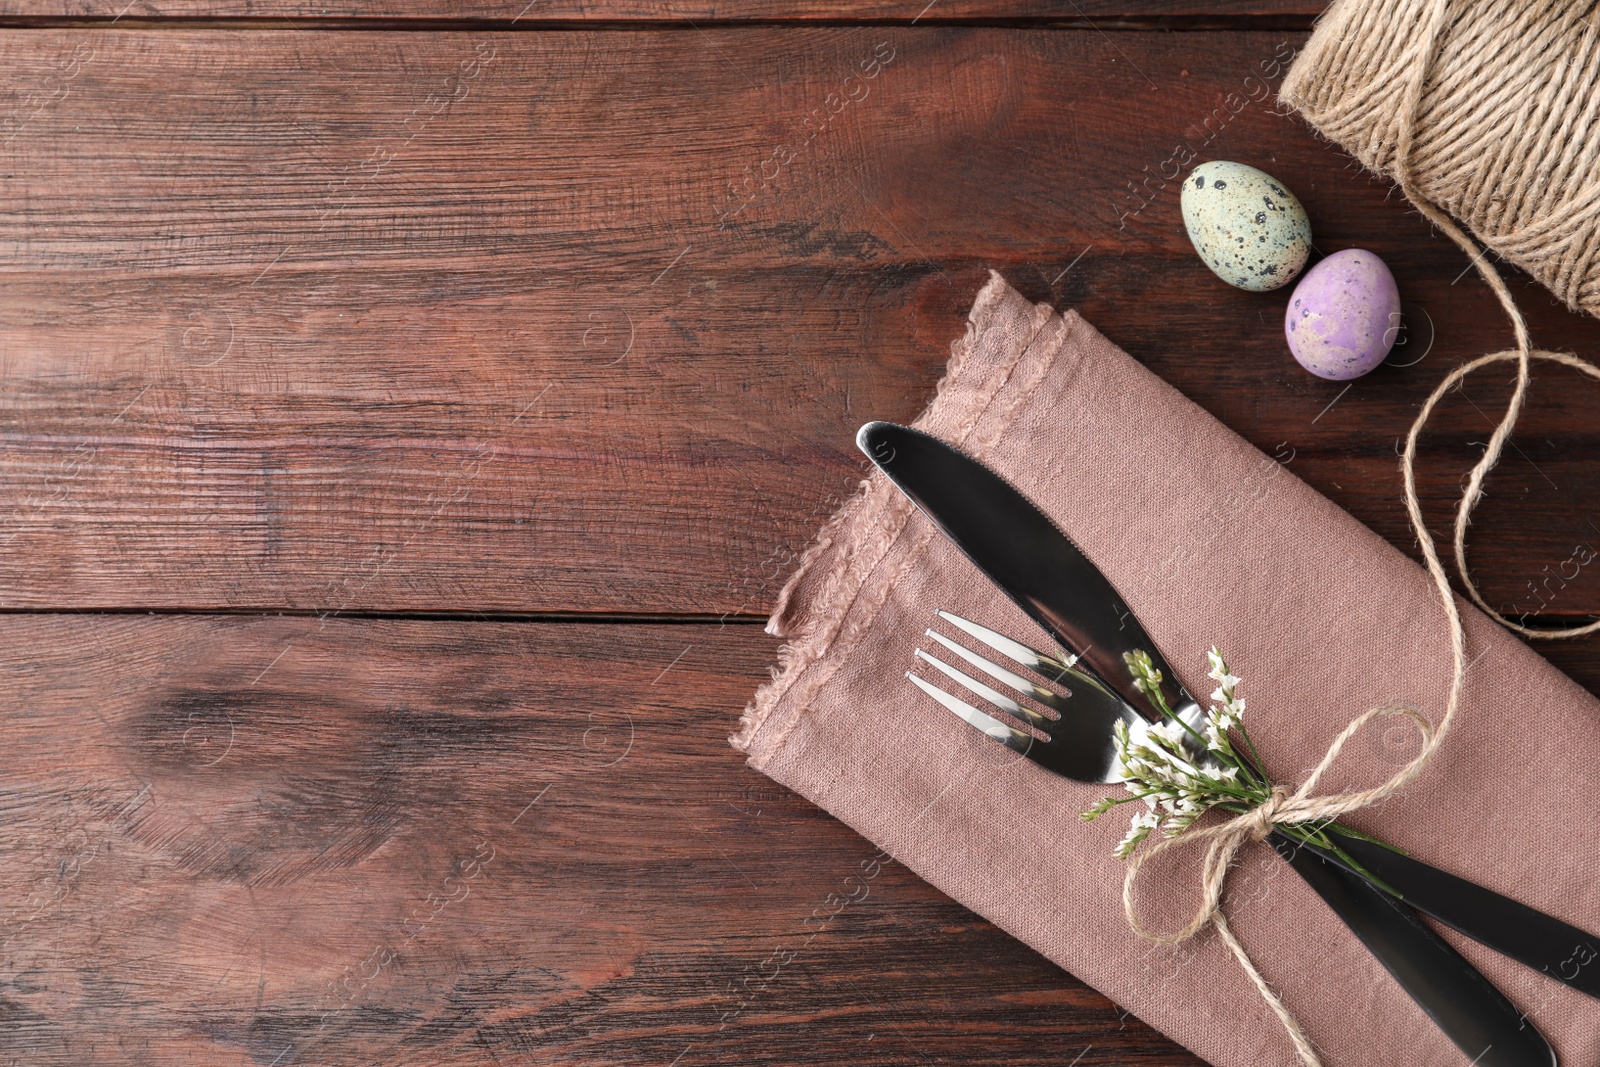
1249 229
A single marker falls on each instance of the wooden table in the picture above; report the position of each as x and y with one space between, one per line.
411 410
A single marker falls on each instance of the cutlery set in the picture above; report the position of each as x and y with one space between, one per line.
1061 712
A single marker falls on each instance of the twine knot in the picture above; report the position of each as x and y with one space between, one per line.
1260 820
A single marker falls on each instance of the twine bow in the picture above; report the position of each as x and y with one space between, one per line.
1303 805
1226 839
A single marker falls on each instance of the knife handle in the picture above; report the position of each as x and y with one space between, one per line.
1475 1015
1527 935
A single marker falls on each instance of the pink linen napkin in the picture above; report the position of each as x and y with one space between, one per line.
1210 542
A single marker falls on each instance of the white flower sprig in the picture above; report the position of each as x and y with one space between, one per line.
1182 770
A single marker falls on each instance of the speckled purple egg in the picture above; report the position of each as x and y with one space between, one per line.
1344 315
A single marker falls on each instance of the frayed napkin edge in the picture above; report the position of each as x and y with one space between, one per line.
810 630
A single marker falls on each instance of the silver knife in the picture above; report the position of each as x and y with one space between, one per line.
1032 561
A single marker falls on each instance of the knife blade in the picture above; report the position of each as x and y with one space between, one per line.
1020 549
1039 567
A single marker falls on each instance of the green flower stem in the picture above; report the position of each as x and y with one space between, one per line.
1350 831
1323 841
1255 757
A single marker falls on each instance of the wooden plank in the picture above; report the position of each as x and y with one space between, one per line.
251 841
1108 13
586 321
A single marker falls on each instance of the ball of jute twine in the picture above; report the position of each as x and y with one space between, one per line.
1423 119
1489 108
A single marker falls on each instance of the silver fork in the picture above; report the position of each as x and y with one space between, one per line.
1074 737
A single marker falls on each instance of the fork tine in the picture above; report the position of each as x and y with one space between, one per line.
1048 697
1010 736
1050 666
993 696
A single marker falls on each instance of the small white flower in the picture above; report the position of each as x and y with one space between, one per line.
1216 734
1138 830
1172 732
1219 671
1145 676
1180 768
1227 715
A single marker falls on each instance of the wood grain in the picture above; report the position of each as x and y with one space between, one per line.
253 841
1106 13
327 321
433 322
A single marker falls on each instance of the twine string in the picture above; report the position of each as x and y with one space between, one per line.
1303 806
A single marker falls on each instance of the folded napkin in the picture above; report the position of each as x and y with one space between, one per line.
1210 542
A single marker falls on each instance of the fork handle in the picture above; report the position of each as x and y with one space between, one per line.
1475 1015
